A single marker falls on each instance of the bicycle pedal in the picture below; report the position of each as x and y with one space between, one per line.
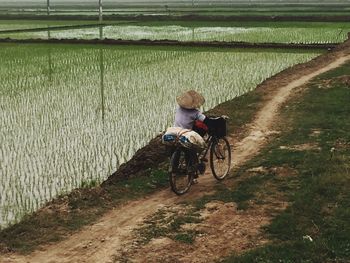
201 168
204 159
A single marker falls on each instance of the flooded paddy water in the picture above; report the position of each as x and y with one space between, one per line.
332 33
70 115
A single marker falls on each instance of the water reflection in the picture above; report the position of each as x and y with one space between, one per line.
50 65
101 31
49 56
102 84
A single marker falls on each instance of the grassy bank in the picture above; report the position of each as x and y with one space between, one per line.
314 151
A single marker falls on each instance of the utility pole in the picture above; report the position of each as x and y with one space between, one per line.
99 10
48 7
100 18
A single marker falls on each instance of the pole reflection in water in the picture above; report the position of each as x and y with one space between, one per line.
101 31
50 65
100 11
102 84
49 57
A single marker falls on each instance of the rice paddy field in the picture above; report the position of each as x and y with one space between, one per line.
70 115
247 32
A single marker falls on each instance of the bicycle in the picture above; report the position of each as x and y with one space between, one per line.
186 163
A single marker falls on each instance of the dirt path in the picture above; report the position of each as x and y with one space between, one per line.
112 234
261 127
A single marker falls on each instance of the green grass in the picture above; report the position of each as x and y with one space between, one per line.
320 200
344 70
168 223
89 184
240 193
188 237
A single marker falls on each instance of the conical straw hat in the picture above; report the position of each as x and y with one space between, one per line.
190 100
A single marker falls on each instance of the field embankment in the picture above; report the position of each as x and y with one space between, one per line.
303 166
59 27
145 42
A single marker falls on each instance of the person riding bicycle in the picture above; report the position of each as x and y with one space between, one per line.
187 147
187 111
188 115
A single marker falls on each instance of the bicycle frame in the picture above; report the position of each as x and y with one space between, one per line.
209 142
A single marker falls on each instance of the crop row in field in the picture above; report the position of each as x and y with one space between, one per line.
72 114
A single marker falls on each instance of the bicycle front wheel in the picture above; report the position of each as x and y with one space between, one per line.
180 176
220 158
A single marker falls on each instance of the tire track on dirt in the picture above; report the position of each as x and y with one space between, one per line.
100 241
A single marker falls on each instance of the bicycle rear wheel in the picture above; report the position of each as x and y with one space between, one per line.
180 176
220 158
